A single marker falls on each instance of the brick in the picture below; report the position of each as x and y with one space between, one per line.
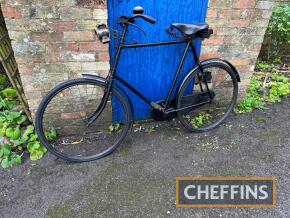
101 46
38 58
220 4
88 46
44 12
239 23
95 66
87 24
26 25
78 36
74 115
250 13
239 62
214 41
265 5
212 13
230 13
223 31
266 14
75 13
209 56
213 22
103 73
83 56
11 12
61 25
72 46
244 3
259 23
25 69
229 40
103 56
60 46
44 37
100 14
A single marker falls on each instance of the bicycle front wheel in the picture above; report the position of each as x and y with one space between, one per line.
207 99
62 120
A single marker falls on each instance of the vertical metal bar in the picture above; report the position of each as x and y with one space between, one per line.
201 70
118 54
107 92
177 74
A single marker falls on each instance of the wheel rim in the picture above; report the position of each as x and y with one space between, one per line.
223 88
66 111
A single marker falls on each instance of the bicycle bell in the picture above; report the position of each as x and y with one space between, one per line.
103 33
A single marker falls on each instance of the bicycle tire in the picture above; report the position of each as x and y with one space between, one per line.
68 84
193 76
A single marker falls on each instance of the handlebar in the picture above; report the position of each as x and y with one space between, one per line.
144 17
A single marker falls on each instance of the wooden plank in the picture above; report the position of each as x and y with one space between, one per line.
9 64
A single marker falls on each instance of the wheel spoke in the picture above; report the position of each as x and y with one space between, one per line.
223 95
73 102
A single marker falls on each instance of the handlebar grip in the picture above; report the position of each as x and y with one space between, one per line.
145 17
149 19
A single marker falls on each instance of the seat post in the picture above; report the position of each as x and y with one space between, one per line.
195 56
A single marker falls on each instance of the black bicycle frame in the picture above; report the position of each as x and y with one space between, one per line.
112 75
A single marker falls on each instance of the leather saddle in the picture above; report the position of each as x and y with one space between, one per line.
199 29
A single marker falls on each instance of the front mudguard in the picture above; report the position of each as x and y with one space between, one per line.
116 87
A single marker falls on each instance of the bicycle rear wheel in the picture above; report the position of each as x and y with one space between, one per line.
62 120
207 114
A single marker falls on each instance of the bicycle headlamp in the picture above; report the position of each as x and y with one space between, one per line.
103 33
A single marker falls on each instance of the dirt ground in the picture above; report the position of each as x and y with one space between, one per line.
138 180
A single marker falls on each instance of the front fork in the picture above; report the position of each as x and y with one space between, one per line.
109 81
108 89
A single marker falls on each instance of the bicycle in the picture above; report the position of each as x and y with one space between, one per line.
92 115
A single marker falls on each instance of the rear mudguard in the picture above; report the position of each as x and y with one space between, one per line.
116 87
215 60
225 62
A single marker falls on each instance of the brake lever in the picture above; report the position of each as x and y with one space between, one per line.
144 33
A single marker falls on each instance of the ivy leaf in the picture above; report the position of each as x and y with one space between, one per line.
111 128
33 138
2 118
29 129
5 151
18 142
37 154
13 115
21 119
117 127
16 159
51 135
13 133
9 93
5 163
33 146
2 79
2 131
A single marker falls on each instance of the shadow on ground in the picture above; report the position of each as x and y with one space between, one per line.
139 179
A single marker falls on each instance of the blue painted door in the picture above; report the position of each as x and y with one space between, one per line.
151 70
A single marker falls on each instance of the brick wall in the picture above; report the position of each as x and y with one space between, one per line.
54 40
239 29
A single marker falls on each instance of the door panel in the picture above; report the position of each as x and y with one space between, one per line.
151 70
